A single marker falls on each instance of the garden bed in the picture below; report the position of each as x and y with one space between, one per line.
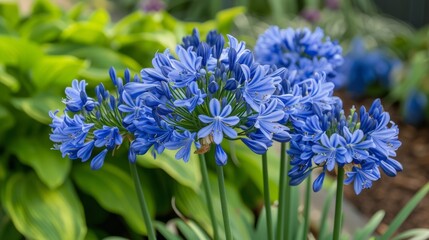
391 194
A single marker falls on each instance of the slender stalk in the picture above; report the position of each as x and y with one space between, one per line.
282 192
226 223
267 201
339 204
307 207
206 186
142 201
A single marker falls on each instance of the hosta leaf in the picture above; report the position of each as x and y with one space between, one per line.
48 164
38 106
187 174
114 191
20 53
57 70
8 80
42 213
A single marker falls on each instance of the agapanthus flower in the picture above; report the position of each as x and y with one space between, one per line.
363 68
360 144
303 50
88 124
207 94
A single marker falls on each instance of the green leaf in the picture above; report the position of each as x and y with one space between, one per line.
9 11
6 119
187 174
261 227
88 33
114 191
42 29
413 234
225 18
42 213
100 17
8 80
251 163
405 212
19 52
45 7
165 232
193 205
38 107
190 230
367 231
48 164
56 70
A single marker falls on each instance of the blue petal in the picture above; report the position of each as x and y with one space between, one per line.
318 183
220 156
98 161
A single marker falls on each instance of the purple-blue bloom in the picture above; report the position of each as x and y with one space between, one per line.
220 123
330 151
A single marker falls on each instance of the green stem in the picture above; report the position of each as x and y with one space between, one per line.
307 207
339 203
206 186
282 192
267 201
221 181
142 201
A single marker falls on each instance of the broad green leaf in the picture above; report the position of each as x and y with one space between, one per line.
187 174
165 39
104 58
9 11
6 119
56 70
413 234
100 17
193 205
189 229
87 33
45 7
114 191
42 29
405 212
251 163
225 18
42 213
48 164
7 229
38 107
367 231
261 226
8 80
165 232
19 52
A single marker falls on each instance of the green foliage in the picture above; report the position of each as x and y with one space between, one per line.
43 193
42 213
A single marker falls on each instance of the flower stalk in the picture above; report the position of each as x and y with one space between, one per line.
142 201
307 206
283 201
224 203
206 186
339 204
267 201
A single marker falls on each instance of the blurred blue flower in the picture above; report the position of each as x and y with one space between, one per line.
363 68
414 108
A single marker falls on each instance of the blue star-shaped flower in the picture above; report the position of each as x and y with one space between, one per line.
329 150
220 122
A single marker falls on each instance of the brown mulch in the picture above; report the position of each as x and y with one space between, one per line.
391 194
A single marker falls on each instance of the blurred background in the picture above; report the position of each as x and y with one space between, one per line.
45 44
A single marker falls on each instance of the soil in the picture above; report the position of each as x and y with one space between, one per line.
391 194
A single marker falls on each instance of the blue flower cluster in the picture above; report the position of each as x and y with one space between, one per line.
302 50
363 68
88 123
206 94
360 143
